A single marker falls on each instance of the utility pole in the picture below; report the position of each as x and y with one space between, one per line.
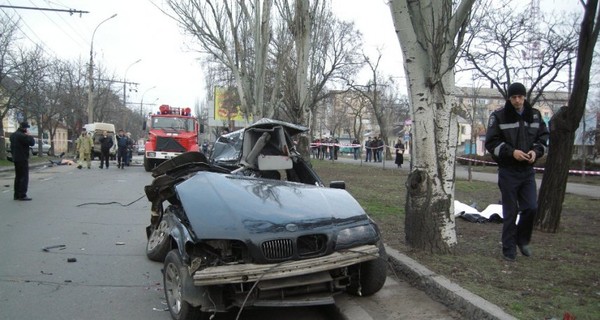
91 74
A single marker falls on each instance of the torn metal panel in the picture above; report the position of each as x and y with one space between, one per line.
241 273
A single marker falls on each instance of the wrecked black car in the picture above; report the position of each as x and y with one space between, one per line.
262 230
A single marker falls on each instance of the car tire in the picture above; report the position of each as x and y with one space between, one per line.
158 245
147 164
370 276
173 280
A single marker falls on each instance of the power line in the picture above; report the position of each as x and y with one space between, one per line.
71 11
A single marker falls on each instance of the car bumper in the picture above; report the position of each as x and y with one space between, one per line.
161 155
242 273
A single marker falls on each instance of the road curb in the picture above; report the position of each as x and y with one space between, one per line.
439 288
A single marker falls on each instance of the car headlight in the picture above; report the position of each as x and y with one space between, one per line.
151 154
352 237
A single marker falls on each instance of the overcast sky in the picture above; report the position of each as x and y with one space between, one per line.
141 31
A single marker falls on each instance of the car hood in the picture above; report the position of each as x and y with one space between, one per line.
222 206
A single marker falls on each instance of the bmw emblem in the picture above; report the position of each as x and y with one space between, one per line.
291 227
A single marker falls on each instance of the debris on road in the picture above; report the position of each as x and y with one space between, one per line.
72 260
58 246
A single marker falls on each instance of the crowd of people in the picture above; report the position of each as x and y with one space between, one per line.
329 148
85 144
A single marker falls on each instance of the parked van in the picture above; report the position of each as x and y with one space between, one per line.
95 130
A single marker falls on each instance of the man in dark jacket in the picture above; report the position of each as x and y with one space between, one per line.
122 144
106 142
20 143
516 137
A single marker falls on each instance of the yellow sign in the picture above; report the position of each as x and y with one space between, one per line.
223 112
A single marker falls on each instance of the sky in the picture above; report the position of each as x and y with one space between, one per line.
169 73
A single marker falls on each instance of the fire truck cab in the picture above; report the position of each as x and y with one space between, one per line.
171 132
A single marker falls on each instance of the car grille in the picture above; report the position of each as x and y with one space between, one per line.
311 245
278 249
306 246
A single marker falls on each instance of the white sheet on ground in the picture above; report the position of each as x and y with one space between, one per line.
492 209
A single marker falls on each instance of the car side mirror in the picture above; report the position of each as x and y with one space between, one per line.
337 185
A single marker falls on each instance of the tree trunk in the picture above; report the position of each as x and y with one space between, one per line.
427 31
552 190
564 124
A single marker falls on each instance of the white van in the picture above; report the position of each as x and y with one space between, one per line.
95 130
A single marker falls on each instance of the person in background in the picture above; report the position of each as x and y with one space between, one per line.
205 147
380 146
84 144
375 149
516 137
129 156
368 150
122 143
20 143
399 146
106 142
356 148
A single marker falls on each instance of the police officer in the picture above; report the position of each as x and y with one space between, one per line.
20 143
516 137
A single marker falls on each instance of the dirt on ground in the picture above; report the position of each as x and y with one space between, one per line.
561 278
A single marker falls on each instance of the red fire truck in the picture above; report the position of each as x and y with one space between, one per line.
171 132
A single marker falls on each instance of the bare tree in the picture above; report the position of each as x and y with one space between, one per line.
236 35
565 122
10 89
430 34
374 92
33 74
505 44
334 56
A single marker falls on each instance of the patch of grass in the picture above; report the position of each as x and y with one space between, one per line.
562 276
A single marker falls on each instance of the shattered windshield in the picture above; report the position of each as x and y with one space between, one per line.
180 124
227 147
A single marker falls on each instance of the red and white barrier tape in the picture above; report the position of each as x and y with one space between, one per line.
592 173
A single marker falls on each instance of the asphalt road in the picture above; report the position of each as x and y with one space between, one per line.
99 216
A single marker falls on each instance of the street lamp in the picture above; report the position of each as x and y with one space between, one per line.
142 102
125 83
91 74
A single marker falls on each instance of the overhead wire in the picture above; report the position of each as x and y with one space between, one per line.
76 31
82 44
39 42
29 33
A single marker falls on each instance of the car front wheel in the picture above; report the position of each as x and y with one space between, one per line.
158 242
173 279
369 277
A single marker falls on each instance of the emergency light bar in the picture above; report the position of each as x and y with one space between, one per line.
166 109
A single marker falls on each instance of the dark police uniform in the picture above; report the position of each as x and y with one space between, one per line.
509 131
20 142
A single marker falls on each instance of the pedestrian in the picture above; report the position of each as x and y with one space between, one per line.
375 149
20 143
356 148
368 150
84 145
516 137
205 147
122 143
336 148
106 142
129 156
399 146
379 145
